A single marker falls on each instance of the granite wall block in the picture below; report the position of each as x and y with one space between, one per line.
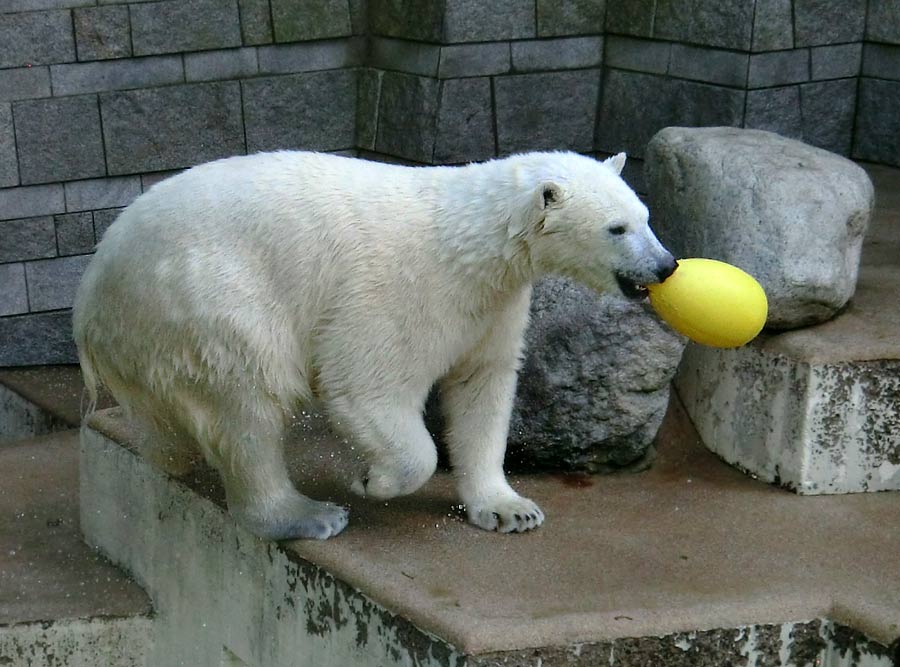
217 65
828 108
95 77
58 139
465 123
776 110
36 38
773 25
557 54
170 26
836 62
557 18
297 20
479 21
707 22
25 202
778 68
461 60
28 238
13 292
726 68
883 24
199 122
23 83
881 61
102 193
368 91
407 19
256 22
40 338
640 55
102 32
102 220
74 233
9 165
554 110
819 22
309 56
407 111
313 111
877 121
404 56
52 282
630 17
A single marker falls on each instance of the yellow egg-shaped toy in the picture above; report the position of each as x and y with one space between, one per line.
711 302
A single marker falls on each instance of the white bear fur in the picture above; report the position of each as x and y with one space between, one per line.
225 295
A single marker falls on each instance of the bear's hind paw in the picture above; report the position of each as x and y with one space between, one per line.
305 519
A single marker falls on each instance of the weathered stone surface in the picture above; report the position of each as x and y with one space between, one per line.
102 32
635 106
594 384
41 338
829 21
13 293
556 54
630 17
707 22
828 110
773 25
102 220
465 126
168 128
310 56
407 110
58 139
776 110
779 68
836 62
149 180
9 168
474 60
404 56
214 65
477 21
641 55
727 68
883 24
256 22
36 38
74 233
877 121
557 18
554 110
171 26
789 214
24 83
297 20
102 193
882 61
313 111
409 19
367 93
811 427
116 74
52 282
31 201
30 238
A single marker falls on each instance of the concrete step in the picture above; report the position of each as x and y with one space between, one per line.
816 410
689 563
61 602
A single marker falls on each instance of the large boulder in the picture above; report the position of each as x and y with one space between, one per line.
594 383
792 215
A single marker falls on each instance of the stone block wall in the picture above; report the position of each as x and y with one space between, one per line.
99 99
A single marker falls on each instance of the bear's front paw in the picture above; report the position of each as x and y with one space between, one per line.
506 514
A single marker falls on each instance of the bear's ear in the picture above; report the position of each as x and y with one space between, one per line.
616 162
550 195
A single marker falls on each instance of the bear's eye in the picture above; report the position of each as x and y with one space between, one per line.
617 230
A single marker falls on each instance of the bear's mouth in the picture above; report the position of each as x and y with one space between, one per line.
630 288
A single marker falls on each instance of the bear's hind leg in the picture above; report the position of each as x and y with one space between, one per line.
249 456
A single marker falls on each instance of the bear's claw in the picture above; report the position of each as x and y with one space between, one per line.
511 514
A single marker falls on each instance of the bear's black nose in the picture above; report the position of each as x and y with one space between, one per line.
666 268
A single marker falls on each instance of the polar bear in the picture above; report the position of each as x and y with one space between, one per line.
227 294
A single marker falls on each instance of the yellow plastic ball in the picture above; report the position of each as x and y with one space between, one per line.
711 302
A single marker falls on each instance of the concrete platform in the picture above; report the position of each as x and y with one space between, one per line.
815 409
61 602
688 563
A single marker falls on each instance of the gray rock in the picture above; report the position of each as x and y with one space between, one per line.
594 384
791 215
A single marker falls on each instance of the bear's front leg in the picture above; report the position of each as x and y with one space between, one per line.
477 398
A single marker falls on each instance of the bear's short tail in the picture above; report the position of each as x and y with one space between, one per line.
91 385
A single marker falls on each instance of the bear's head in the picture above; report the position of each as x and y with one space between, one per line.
583 221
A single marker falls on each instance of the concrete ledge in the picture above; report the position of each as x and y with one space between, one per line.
688 562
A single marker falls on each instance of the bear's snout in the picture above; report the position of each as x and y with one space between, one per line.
666 268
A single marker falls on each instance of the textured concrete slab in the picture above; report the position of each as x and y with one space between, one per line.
691 545
47 573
